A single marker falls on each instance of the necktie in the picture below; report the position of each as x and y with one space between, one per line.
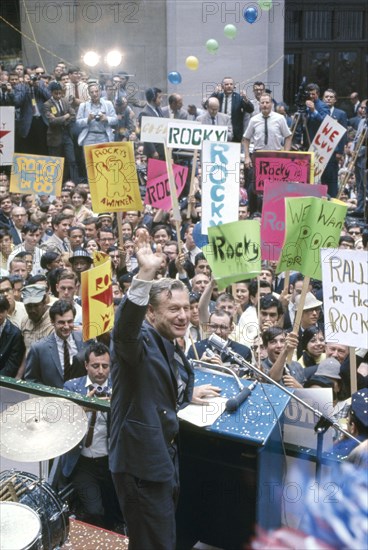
91 429
76 91
213 119
266 130
65 246
178 362
225 111
60 108
67 365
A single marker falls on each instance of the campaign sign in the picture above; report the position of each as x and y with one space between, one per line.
345 296
273 213
36 174
220 183
283 166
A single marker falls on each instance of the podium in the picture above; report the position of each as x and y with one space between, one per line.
231 472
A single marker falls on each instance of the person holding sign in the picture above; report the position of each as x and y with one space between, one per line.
267 131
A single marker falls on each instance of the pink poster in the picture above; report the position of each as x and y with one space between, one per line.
283 166
158 188
273 213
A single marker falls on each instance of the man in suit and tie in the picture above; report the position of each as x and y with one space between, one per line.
152 109
215 118
175 108
18 219
235 105
87 465
148 389
221 324
31 127
330 174
54 360
61 117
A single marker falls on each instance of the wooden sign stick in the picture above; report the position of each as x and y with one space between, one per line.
192 178
299 313
353 370
174 196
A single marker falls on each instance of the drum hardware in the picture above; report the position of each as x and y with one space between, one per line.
42 428
20 527
39 497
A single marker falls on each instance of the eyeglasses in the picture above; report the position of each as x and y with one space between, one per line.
354 232
218 327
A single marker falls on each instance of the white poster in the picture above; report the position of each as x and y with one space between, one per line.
220 183
345 296
154 129
324 144
6 135
299 421
191 135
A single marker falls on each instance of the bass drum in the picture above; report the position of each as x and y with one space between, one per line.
38 495
20 527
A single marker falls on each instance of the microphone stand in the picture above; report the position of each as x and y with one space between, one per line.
324 422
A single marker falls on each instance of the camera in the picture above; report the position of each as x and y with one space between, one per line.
33 77
101 392
4 88
302 95
98 117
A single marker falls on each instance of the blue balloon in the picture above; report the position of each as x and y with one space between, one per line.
174 77
198 237
251 15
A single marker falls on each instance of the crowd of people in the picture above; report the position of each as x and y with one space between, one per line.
167 301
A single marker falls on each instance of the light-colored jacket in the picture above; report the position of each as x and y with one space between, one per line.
82 118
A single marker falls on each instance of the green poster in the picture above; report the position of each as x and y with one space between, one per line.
311 224
234 251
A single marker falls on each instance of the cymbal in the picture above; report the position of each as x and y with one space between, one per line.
41 428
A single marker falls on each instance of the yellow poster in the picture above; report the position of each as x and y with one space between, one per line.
97 301
36 174
112 177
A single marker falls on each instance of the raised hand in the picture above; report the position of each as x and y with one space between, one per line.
149 262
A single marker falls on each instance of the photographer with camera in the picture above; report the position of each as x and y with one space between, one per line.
31 127
316 110
86 466
96 118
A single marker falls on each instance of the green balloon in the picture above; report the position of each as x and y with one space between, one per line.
212 45
265 5
230 31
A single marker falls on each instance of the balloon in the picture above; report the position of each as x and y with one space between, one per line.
230 31
250 15
174 77
198 237
192 63
265 5
212 45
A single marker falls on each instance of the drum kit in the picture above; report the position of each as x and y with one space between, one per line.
32 515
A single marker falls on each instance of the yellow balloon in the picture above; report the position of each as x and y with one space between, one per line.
192 63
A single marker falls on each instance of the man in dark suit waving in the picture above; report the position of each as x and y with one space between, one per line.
235 105
147 392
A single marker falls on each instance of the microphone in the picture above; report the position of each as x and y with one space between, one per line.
234 403
218 343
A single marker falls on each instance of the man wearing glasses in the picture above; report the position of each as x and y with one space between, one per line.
221 324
